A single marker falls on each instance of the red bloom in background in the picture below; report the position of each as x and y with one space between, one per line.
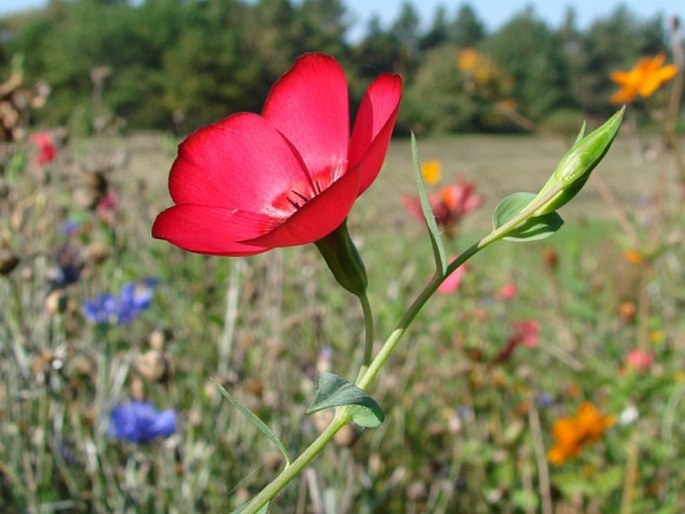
507 292
44 142
639 360
524 332
286 177
453 281
449 205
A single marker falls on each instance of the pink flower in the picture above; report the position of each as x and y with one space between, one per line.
44 142
287 177
507 292
453 281
639 360
449 205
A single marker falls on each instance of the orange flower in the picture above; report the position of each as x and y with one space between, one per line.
633 256
644 79
572 434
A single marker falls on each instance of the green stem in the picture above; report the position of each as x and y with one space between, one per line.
343 415
374 368
368 329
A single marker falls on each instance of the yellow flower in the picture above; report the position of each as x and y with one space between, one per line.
431 171
469 60
572 434
644 79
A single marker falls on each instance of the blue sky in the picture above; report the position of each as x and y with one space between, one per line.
492 12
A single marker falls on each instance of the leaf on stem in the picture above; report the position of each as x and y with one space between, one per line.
533 228
335 391
258 423
436 241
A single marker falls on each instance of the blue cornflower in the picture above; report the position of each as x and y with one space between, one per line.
69 227
133 299
139 422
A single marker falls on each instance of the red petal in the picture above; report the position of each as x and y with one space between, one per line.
210 230
309 105
318 217
241 162
373 127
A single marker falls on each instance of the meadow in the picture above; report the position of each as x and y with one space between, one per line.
471 396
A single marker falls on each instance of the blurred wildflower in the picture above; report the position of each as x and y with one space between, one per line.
551 259
431 171
140 422
69 227
453 281
544 400
572 434
639 360
657 336
45 143
483 75
643 79
287 177
524 332
507 292
627 310
133 299
633 257
449 205
108 202
628 415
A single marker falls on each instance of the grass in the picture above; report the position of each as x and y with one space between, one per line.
464 433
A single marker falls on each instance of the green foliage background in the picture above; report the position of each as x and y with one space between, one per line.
177 64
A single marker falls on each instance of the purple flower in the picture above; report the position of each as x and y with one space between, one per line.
133 299
140 422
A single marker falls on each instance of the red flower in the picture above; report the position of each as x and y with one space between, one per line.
524 332
47 151
286 177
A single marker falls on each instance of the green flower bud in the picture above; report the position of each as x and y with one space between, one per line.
575 167
344 260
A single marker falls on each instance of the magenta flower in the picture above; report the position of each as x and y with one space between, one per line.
287 177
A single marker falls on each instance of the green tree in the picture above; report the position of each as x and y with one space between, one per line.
527 50
438 100
467 30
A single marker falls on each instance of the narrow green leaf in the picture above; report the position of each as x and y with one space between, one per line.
258 423
533 228
335 391
436 241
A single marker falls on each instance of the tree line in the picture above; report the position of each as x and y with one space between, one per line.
176 64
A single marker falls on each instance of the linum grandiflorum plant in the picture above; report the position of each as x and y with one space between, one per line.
290 176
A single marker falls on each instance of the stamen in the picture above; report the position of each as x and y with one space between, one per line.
302 197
